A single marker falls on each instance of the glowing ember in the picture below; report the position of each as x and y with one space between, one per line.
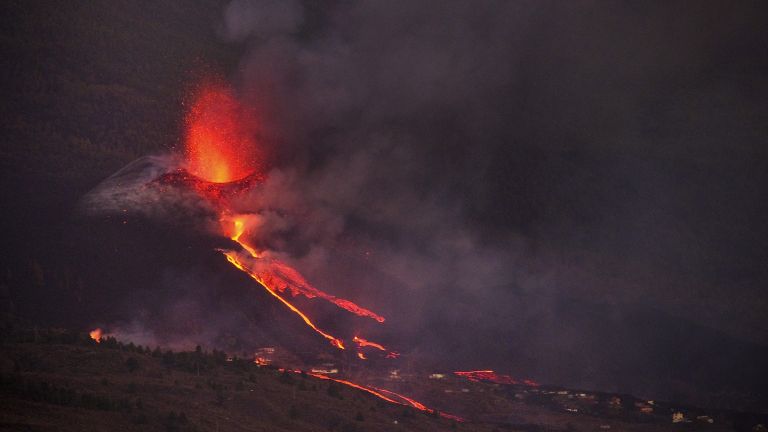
361 356
95 335
491 376
220 136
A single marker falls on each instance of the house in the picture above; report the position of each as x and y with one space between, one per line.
324 371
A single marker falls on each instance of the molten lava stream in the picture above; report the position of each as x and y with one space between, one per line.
353 385
491 376
239 230
421 406
365 343
232 258
380 393
285 277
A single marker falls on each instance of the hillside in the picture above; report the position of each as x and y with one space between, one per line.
59 380
80 385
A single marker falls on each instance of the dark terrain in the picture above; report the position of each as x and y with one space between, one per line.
59 380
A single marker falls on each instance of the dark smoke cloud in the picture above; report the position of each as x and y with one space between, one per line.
500 158
440 126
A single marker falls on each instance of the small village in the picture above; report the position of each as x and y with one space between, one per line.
455 388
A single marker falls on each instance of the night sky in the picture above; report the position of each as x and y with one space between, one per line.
569 191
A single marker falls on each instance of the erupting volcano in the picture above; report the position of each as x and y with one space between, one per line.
220 172
223 160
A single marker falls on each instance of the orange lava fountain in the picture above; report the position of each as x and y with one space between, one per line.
220 134
95 334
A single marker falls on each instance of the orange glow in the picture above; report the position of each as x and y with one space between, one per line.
220 134
381 394
411 402
280 276
361 356
491 376
96 335
232 258
420 406
238 230
353 385
364 343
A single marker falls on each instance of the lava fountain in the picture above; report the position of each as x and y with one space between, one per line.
220 136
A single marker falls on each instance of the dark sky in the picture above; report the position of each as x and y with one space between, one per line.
552 180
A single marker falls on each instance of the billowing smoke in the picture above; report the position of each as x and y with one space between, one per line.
515 169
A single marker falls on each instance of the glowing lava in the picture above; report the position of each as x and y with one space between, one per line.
95 334
281 276
222 159
364 343
220 136
237 232
232 258
491 376
383 394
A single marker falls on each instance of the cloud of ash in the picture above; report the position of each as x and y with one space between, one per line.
456 137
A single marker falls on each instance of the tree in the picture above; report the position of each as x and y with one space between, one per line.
334 390
293 412
132 364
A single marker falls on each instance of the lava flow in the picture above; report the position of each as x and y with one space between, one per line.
282 277
363 343
491 376
232 258
382 394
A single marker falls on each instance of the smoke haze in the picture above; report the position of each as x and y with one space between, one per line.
497 160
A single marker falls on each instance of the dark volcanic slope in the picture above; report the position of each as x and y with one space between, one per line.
66 387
